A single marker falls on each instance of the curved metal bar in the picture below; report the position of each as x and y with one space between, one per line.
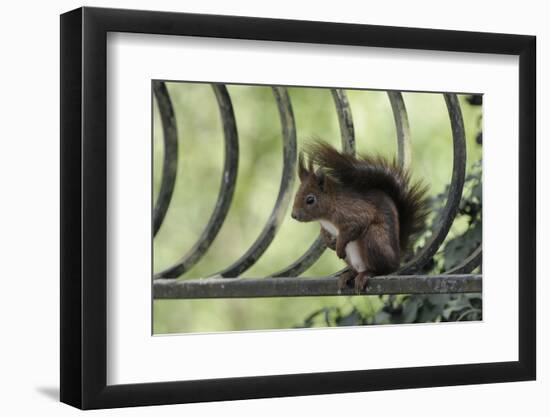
468 264
345 120
314 252
445 221
227 188
170 163
347 133
283 199
404 149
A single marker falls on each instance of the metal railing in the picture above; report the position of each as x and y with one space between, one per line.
227 284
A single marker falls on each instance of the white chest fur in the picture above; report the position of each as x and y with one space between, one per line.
353 252
329 227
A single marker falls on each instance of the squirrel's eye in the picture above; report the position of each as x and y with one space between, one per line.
310 199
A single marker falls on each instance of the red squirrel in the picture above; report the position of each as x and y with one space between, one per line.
368 208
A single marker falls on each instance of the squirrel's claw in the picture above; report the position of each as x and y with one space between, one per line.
361 282
344 278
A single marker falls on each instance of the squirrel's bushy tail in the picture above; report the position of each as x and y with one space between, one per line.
366 173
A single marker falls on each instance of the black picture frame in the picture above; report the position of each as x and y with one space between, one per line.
84 207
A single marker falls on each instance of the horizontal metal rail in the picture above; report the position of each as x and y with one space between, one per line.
293 287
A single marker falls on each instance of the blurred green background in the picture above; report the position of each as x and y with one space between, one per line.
260 167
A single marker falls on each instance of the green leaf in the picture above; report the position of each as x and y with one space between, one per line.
352 319
382 317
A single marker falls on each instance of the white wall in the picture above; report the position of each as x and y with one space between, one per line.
29 213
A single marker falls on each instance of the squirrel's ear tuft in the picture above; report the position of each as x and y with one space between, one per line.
321 179
302 171
310 166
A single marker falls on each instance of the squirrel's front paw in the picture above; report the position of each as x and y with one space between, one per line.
341 252
328 239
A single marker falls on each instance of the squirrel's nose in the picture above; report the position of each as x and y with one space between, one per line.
293 215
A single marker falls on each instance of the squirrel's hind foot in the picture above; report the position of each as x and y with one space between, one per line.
361 281
345 277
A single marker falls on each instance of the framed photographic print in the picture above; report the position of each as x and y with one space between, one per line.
258 207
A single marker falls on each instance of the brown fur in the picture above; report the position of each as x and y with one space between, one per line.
368 199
